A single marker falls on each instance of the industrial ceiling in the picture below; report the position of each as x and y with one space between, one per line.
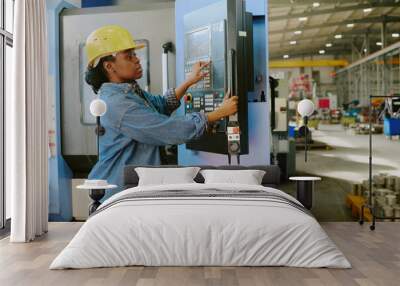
340 28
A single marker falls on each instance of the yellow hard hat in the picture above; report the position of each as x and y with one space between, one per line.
108 40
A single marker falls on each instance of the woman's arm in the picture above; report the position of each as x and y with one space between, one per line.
146 126
228 107
170 101
165 104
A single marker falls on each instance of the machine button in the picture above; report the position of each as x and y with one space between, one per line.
234 147
188 97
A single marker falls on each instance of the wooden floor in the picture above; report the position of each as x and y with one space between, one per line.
375 257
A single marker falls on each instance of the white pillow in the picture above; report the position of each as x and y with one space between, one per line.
164 176
248 177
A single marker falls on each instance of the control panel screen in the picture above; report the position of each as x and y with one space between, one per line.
198 44
198 49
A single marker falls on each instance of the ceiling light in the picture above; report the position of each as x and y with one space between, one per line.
379 43
328 45
298 32
395 35
293 42
350 25
367 10
338 36
285 56
316 4
322 52
302 19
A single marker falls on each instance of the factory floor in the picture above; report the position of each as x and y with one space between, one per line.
343 162
348 158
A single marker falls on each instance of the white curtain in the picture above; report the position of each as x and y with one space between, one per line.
27 146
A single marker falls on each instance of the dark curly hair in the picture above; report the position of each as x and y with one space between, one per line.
96 76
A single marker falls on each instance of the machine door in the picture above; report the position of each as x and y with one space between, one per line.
219 33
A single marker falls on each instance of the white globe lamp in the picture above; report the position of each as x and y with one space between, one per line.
98 108
305 108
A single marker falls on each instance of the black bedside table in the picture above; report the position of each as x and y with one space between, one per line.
97 190
305 188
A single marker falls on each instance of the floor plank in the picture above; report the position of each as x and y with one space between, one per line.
375 257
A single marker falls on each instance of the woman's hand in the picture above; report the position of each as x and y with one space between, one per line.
198 72
228 107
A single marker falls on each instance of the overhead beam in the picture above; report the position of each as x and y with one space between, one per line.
320 41
314 50
305 48
381 19
345 48
275 64
372 56
310 53
373 34
320 45
338 9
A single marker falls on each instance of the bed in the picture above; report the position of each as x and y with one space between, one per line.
198 224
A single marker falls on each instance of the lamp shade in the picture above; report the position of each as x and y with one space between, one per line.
98 107
305 108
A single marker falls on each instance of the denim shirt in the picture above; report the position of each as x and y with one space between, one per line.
135 128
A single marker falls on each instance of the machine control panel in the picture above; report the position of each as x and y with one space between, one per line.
206 82
219 33
206 43
196 101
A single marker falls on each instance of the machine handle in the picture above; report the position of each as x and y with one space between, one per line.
231 70
233 129
167 47
232 78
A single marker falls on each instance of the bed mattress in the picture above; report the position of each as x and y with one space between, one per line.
201 225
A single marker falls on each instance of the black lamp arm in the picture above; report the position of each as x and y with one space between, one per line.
305 120
100 131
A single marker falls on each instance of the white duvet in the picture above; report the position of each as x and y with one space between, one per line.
202 232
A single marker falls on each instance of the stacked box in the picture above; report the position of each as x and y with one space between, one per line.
385 191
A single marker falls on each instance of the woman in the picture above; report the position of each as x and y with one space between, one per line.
137 123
